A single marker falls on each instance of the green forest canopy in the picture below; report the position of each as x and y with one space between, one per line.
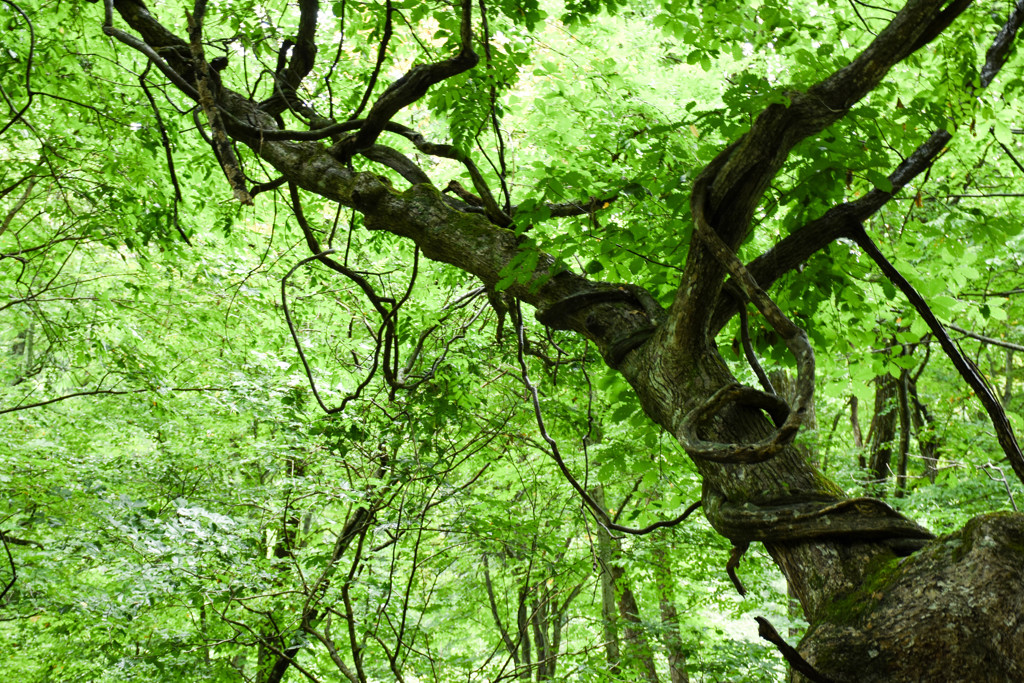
402 341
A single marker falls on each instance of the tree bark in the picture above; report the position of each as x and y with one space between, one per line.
954 611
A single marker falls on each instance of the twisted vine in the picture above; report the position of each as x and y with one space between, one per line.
800 518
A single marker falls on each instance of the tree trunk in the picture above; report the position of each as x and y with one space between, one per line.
665 583
883 428
953 612
619 603
609 609
523 622
925 429
904 450
858 439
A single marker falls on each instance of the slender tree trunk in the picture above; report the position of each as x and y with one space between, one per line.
638 650
858 439
923 426
510 645
539 620
609 610
665 583
1008 378
904 415
883 427
523 622
635 650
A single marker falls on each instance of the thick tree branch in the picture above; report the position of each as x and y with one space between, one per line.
843 220
738 177
208 94
303 54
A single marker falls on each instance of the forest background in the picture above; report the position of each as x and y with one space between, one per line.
258 423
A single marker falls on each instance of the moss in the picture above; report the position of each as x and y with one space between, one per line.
826 485
880 573
414 193
885 570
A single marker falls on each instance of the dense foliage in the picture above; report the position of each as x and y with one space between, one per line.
284 438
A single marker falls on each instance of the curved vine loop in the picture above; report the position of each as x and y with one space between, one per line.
790 417
759 451
813 518
798 519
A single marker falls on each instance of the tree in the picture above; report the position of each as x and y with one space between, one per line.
873 613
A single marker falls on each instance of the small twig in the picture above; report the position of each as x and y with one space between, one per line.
1002 480
382 52
295 335
987 340
97 392
166 142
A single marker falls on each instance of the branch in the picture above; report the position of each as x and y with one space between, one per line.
497 216
512 647
97 392
208 93
410 88
14 570
19 204
166 142
382 51
997 53
987 340
737 178
154 34
789 653
303 54
967 369
842 220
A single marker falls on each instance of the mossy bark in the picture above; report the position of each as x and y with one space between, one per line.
951 612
